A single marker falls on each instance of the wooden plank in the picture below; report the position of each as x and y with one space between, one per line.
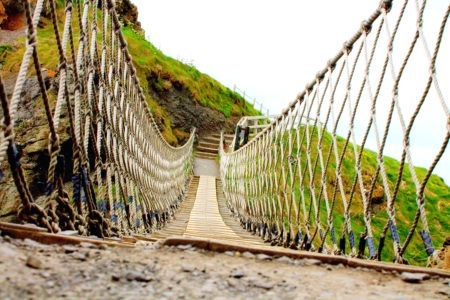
54 238
29 227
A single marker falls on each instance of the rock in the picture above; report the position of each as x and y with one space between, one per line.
69 249
103 247
88 245
414 277
115 277
79 256
237 274
188 268
229 253
262 284
184 247
69 232
185 112
285 259
136 276
34 262
247 254
312 262
263 257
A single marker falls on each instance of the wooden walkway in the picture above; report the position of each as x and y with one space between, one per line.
201 215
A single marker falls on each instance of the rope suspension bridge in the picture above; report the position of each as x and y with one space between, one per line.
296 184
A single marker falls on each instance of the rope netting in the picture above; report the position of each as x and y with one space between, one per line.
309 181
125 177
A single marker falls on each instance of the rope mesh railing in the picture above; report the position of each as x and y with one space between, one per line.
126 177
309 181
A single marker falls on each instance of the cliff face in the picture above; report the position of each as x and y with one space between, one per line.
12 14
129 13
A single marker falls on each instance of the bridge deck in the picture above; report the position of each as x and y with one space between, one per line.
202 215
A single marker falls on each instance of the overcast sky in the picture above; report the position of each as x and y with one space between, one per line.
268 48
272 49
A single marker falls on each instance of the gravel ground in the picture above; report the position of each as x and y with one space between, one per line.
29 270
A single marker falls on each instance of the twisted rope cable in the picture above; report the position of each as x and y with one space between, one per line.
124 171
300 166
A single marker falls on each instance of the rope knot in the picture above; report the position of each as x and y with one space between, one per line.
69 6
62 65
331 65
366 27
292 160
348 47
32 38
386 5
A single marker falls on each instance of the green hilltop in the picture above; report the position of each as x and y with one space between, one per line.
161 77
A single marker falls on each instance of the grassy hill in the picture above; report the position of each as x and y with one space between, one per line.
163 79
437 196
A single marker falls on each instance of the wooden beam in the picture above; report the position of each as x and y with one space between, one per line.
18 231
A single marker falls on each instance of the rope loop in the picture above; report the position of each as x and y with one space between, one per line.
366 27
386 5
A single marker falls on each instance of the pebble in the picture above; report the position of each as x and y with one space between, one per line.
136 276
184 247
79 256
229 253
34 262
237 274
69 232
262 284
285 259
312 262
247 254
69 249
88 245
103 247
188 268
414 277
31 243
263 257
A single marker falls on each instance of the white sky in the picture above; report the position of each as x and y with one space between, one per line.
271 49
267 48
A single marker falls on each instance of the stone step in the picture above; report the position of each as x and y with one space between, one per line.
205 155
208 150
208 144
214 139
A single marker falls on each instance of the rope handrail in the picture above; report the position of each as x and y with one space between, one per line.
126 178
315 184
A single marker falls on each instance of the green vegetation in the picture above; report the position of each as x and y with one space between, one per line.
437 195
166 72
156 71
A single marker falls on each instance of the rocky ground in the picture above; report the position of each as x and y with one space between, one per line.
29 270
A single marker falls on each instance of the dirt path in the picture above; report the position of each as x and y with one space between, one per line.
29 270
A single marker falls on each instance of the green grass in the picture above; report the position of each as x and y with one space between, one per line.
155 71
437 196
158 71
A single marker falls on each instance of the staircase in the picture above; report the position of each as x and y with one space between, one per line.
208 147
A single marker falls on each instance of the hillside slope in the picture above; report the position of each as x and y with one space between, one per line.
180 96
